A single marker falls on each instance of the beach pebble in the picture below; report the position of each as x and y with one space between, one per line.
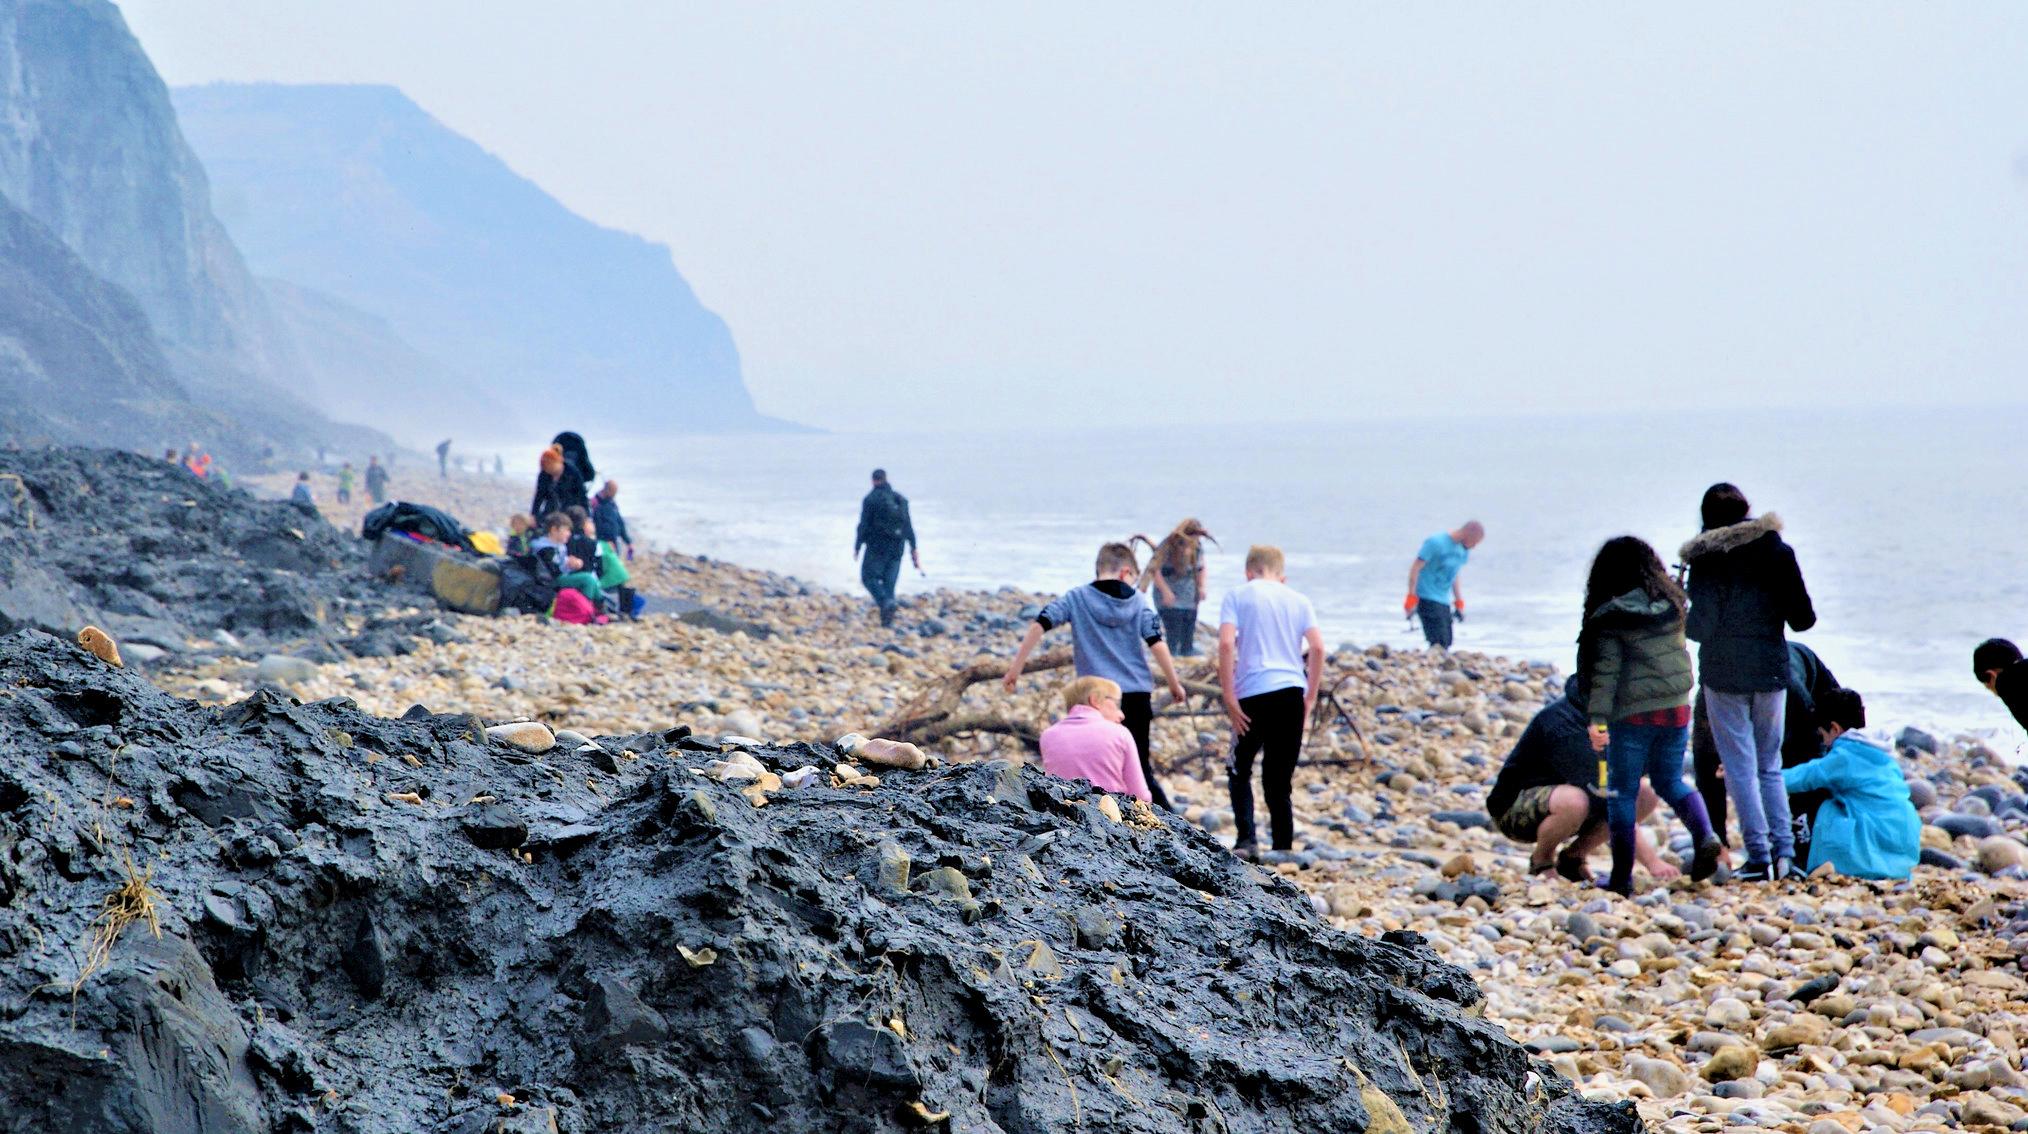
528 736
1662 1077
1727 1012
281 669
1734 1062
1998 852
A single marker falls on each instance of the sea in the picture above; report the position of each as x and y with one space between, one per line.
1910 524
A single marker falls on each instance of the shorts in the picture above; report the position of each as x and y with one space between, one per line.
1526 815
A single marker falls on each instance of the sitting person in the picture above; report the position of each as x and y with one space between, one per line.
1547 794
300 495
1090 743
584 541
520 533
553 549
1867 828
1998 665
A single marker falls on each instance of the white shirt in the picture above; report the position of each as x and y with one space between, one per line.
1272 620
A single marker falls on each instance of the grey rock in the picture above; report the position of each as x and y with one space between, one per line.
281 669
615 1017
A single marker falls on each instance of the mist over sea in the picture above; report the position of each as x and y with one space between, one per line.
1911 525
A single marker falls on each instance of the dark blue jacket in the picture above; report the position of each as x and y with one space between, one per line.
1554 749
612 527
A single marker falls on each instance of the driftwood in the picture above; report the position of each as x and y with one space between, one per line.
933 713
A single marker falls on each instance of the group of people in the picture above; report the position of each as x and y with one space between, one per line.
574 547
376 485
1774 731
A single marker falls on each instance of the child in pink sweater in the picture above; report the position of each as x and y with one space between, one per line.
1090 743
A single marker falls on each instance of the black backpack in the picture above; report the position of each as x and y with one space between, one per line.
886 515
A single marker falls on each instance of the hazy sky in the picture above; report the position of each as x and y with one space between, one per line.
1064 213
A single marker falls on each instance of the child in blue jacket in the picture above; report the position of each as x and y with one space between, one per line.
1868 828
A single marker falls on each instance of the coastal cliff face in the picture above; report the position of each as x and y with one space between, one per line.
357 192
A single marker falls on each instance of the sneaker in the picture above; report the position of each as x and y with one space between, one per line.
1786 869
1704 863
1754 872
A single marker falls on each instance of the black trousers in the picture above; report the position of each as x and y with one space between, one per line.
1274 732
880 570
1139 711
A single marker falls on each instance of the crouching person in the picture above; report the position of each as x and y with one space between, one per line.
1090 743
1547 795
1867 828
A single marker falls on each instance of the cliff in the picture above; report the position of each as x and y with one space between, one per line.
356 192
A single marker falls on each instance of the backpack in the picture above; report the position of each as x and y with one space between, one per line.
886 515
573 608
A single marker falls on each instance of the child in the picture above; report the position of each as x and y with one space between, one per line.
584 541
345 483
1113 630
553 549
1868 828
300 496
1269 689
1635 664
1089 743
520 533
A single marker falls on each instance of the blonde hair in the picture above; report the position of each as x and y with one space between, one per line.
1114 558
1178 550
1081 691
1264 559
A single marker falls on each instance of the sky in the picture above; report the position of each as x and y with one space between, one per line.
941 215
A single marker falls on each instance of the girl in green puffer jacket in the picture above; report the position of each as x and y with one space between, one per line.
1636 667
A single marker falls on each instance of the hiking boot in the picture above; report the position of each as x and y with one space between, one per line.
1704 863
1754 872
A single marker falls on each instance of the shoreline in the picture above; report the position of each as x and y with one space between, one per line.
1697 1002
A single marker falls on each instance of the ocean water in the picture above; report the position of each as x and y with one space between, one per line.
1911 525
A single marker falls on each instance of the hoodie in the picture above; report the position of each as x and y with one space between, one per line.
1868 828
1553 750
1744 585
1111 626
1633 658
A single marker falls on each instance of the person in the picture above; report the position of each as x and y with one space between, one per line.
1744 586
1868 827
557 486
1269 689
376 480
584 541
884 528
1998 665
345 483
1809 680
1635 666
1090 743
1113 632
300 495
1547 794
1433 590
172 458
612 527
577 456
553 546
520 533
443 458
499 465
1176 572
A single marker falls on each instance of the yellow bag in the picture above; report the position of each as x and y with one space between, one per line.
486 543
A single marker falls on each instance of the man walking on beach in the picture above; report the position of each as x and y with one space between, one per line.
1113 631
884 529
1433 591
1269 689
376 480
443 458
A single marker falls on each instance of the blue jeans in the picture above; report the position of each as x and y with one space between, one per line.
1179 628
1653 751
1436 621
1747 728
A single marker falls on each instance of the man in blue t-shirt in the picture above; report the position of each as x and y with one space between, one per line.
1433 591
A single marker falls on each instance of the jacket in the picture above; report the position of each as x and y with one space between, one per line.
1086 746
1868 828
554 493
883 518
612 527
1553 750
2012 686
1111 626
1633 658
1744 585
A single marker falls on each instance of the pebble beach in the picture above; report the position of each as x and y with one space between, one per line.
1815 1007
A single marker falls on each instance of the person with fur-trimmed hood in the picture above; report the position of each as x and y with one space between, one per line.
1744 587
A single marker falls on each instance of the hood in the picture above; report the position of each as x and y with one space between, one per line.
1858 745
1634 607
1113 603
1731 537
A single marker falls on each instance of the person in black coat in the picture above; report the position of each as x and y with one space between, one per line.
558 488
1745 586
576 456
1998 665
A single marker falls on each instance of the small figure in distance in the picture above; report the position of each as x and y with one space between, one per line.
345 483
885 528
1090 743
1998 666
1269 689
300 495
376 480
443 458
1176 572
1868 828
1433 591
612 527
1113 633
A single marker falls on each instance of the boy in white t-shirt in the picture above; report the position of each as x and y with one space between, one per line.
1269 690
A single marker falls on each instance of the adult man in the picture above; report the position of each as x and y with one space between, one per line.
376 480
1998 666
606 518
884 529
1269 689
443 458
1547 794
1433 591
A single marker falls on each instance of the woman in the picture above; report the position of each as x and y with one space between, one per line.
1635 666
1867 828
557 487
1176 571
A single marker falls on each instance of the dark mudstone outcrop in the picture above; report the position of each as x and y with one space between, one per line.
644 950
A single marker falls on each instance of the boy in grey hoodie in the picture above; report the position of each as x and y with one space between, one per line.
1113 630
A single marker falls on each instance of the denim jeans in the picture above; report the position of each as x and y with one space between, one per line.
1636 751
1179 629
1436 622
1747 728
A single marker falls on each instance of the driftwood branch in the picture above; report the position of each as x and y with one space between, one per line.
938 704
